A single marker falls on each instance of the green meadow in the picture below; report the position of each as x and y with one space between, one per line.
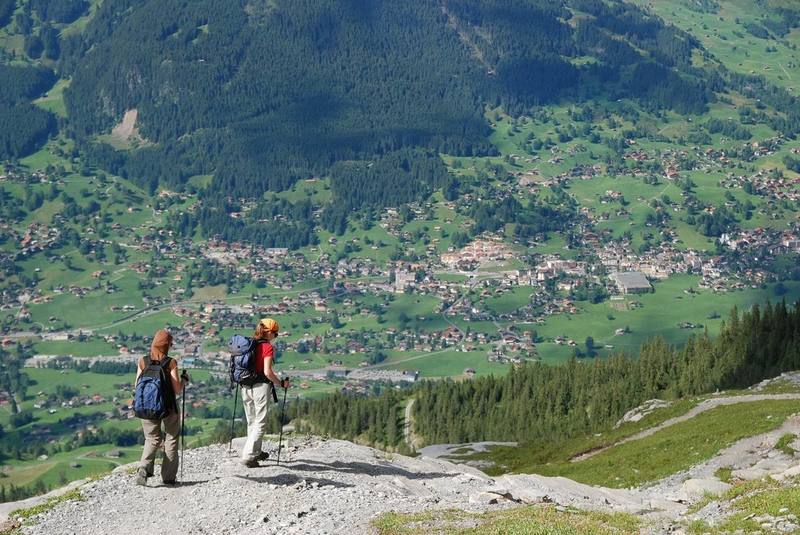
658 314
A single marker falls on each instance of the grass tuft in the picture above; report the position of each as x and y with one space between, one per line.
25 514
783 444
724 474
526 520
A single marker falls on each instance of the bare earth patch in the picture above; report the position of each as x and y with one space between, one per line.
126 134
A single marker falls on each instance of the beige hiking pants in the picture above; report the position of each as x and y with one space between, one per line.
153 441
255 400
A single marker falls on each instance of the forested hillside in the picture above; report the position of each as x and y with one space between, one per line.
551 403
23 126
263 93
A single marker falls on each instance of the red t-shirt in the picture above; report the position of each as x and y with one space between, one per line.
264 351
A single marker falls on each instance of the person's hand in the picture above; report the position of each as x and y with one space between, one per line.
285 383
185 377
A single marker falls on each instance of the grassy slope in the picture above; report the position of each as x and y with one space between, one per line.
729 41
661 454
529 520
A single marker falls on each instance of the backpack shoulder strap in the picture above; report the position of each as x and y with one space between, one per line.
147 360
165 361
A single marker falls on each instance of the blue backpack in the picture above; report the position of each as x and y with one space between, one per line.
154 390
243 360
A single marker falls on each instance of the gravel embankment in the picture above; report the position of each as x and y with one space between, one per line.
322 486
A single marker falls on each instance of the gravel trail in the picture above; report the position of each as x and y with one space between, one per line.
324 486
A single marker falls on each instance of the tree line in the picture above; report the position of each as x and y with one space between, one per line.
543 402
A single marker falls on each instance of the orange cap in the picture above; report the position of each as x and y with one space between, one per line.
270 325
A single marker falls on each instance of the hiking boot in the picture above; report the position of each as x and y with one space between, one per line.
170 483
251 463
263 456
141 477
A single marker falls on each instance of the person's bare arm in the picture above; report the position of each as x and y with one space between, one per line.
177 384
270 372
272 376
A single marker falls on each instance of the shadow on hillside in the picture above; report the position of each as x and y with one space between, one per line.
292 479
364 468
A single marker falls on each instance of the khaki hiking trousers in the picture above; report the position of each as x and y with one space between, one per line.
255 400
153 441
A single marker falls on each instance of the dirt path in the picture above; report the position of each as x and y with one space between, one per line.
701 407
407 421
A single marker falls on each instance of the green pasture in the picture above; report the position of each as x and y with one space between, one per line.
314 190
724 35
58 469
88 348
659 315
53 100
444 363
536 453
646 459
509 301
147 323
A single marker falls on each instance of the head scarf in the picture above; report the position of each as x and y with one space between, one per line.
161 344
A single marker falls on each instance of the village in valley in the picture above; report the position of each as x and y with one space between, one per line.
492 295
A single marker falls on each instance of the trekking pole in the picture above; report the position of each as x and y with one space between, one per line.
185 376
233 417
280 436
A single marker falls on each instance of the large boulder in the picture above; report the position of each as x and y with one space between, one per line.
694 489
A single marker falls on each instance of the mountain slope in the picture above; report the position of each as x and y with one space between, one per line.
264 93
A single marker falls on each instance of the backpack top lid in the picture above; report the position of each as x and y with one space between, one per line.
239 344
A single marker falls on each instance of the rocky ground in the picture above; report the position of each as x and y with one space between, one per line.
333 486
321 486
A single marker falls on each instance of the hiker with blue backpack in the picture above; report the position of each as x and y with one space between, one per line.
157 384
252 371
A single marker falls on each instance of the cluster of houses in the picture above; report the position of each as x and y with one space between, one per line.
489 248
767 185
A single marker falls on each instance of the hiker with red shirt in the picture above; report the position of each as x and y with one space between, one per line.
255 398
